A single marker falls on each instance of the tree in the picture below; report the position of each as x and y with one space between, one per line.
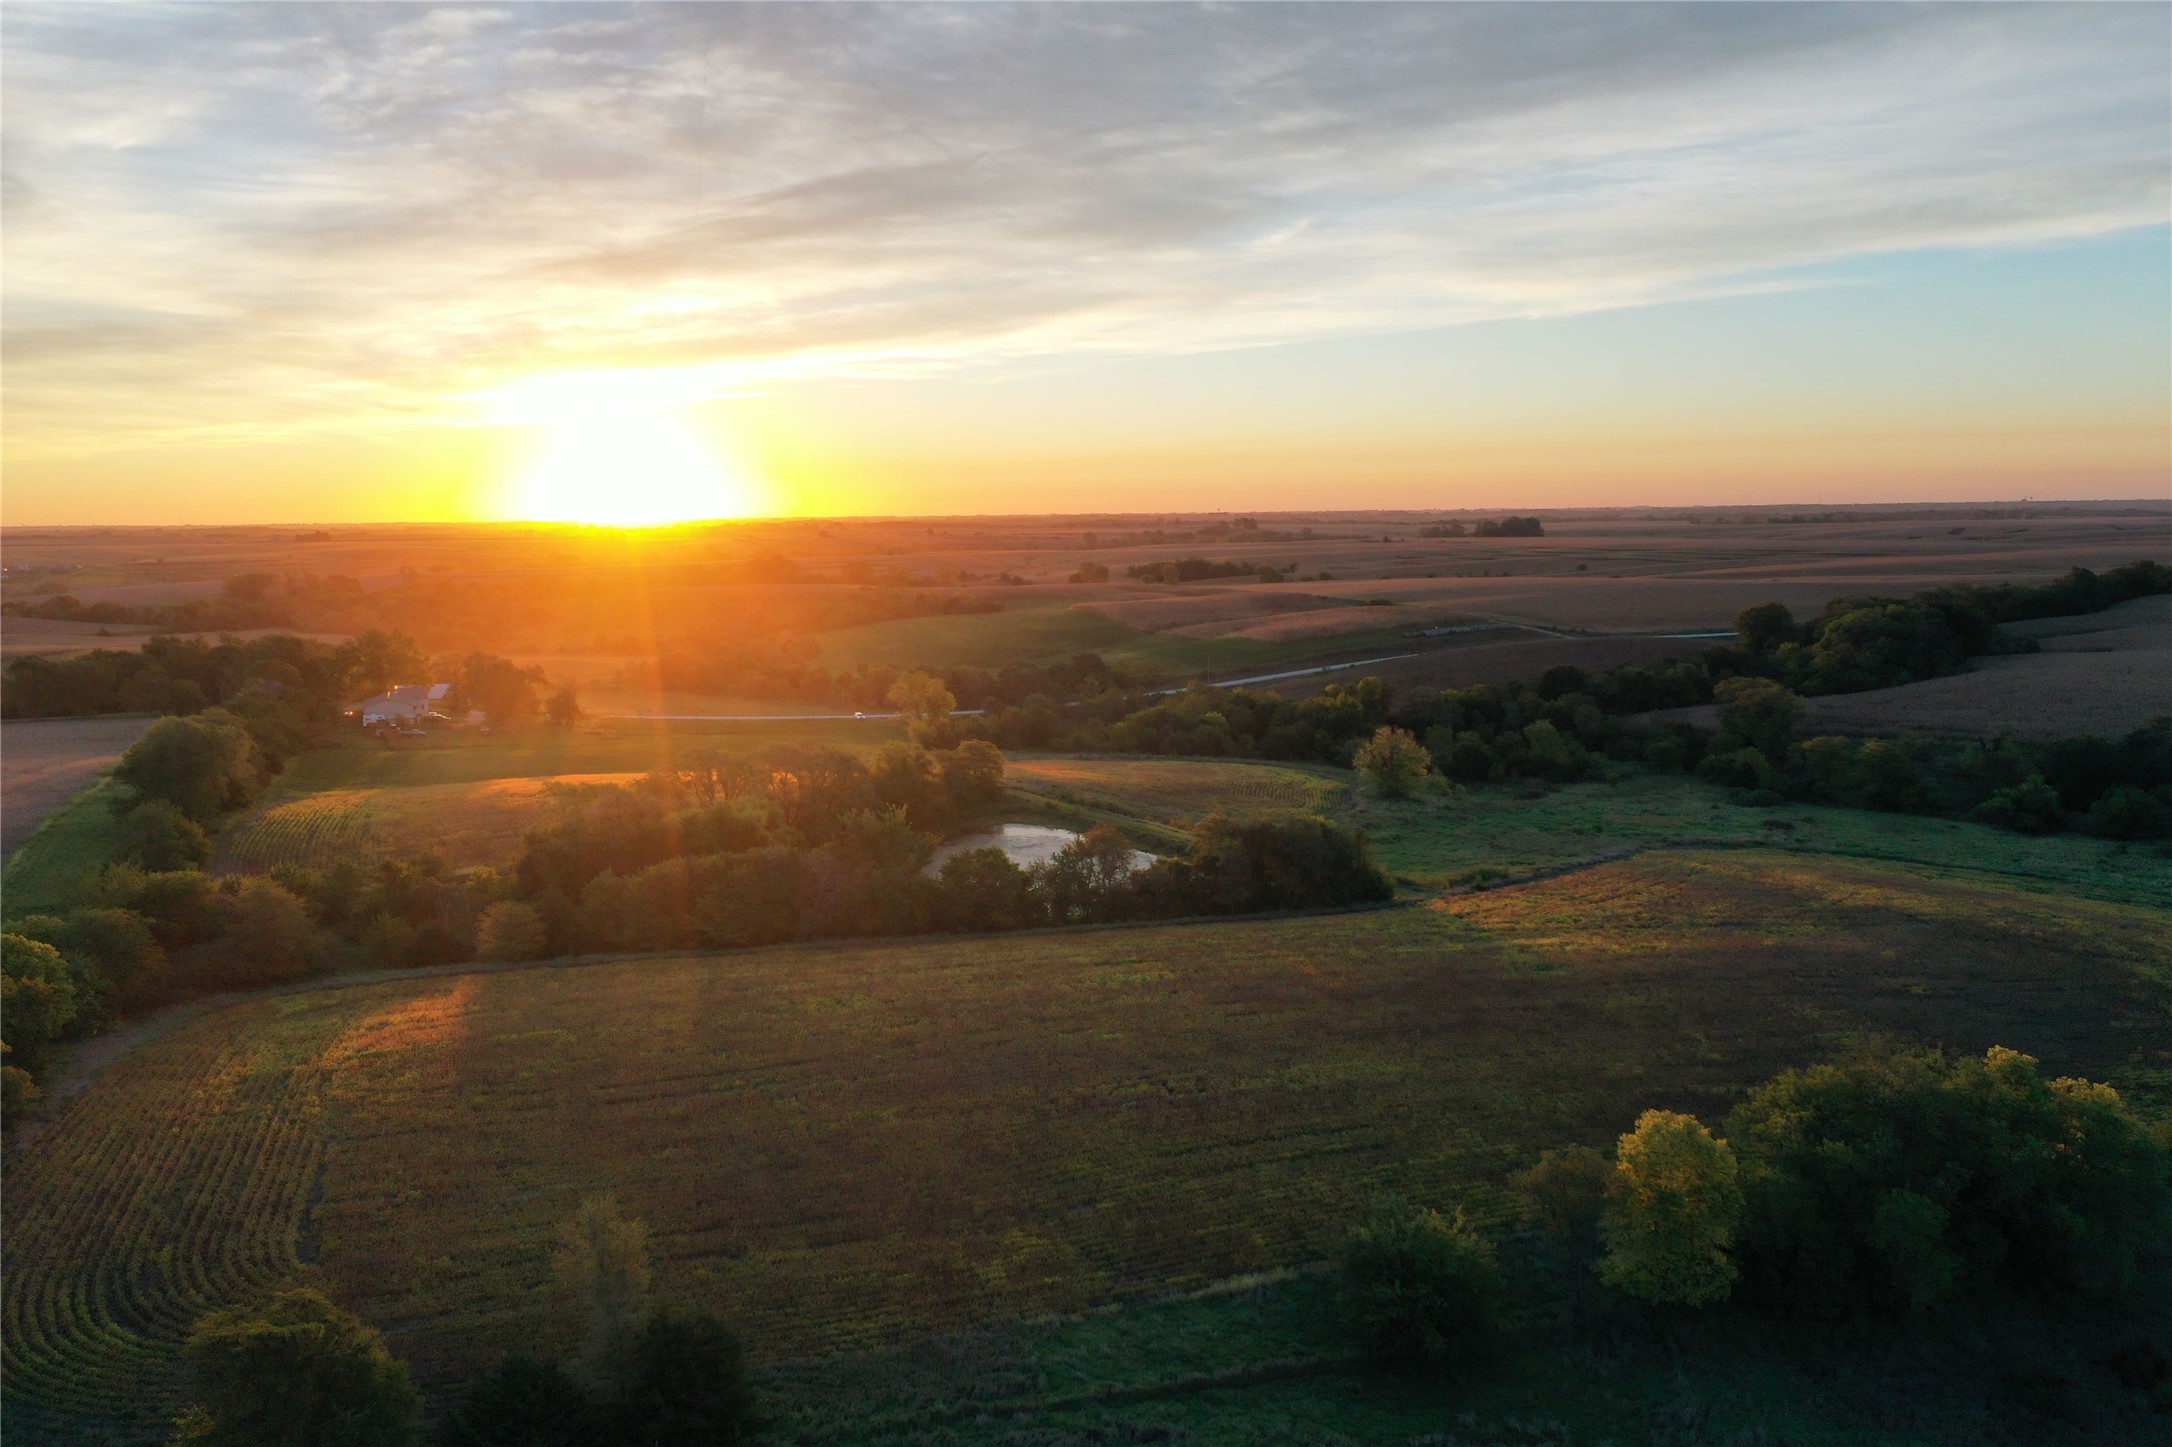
603 1259
523 1401
2029 807
984 889
1764 627
564 709
1889 1181
1761 713
926 703
1394 762
264 933
158 836
374 661
117 963
297 1372
501 688
37 1000
685 1380
1417 1286
1676 1201
1565 1192
202 765
973 773
510 930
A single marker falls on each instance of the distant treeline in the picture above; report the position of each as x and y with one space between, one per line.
1508 527
287 690
1196 570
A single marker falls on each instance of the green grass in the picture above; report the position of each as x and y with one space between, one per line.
1461 838
1264 1364
619 746
58 866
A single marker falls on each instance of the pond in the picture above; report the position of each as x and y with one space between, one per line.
1026 844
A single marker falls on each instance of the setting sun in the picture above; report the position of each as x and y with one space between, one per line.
619 460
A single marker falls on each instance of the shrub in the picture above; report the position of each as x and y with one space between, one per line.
685 1380
510 930
158 836
1893 1181
37 1000
1565 1192
522 1402
297 1372
264 936
202 765
1674 1205
118 964
2126 812
1417 1286
1393 762
2029 807
1760 712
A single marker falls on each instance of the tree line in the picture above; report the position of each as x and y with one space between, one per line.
1886 1188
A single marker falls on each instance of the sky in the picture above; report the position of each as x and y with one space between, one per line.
316 262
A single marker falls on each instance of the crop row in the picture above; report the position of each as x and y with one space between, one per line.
315 831
118 1235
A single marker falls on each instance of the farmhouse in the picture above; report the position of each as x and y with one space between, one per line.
406 703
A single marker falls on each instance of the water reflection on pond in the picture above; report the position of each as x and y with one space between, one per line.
1026 844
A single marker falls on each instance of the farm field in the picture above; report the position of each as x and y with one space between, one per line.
46 762
1110 1114
465 824
1178 790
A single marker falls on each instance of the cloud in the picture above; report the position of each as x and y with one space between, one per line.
223 218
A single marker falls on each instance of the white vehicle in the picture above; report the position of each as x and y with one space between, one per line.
857 714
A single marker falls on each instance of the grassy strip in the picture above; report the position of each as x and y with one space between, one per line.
58 866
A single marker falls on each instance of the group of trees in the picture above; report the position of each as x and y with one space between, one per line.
1887 1185
1508 527
295 1370
1197 569
286 690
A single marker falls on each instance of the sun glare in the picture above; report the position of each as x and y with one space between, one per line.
616 460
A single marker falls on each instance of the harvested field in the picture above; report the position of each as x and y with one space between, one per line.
55 637
46 762
1170 609
854 1143
467 824
1176 790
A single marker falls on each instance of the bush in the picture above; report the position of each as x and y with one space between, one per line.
1393 762
1674 1204
522 1402
2029 807
264 936
1894 1181
158 836
1760 712
118 964
202 766
37 1000
1417 1286
2126 812
510 930
1565 1192
685 1381
297 1372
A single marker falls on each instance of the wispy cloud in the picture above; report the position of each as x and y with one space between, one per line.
230 219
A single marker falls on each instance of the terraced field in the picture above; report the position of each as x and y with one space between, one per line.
476 823
1176 790
855 1143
